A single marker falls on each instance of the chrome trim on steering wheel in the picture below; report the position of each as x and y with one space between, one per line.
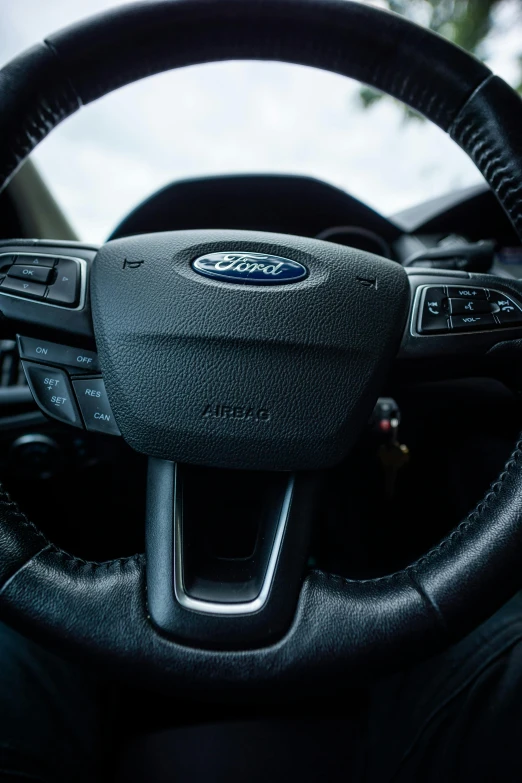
215 607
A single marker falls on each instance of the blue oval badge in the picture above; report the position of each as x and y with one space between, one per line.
250 268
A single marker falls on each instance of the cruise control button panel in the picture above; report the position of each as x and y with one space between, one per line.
51 279
78 400
52 392
452 308
94 405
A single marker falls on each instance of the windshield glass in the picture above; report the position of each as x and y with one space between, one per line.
255 117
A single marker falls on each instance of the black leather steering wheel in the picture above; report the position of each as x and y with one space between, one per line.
265 377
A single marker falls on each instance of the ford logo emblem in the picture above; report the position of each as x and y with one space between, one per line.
250 268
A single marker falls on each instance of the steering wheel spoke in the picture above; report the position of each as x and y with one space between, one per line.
226 551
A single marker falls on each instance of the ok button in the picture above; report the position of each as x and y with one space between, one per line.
39 274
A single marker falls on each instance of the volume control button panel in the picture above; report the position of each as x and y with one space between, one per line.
466 309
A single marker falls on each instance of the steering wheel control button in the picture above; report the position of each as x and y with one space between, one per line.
469 306
27 272
464 323
29 260
53 353
433 314
94 405
507 311
65 290
12 285
52 392
466 292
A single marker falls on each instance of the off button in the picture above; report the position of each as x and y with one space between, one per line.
94 406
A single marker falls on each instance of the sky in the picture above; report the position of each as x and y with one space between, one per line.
237 117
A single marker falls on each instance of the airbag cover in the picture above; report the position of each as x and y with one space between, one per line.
201 370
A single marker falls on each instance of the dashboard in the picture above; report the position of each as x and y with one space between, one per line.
465 229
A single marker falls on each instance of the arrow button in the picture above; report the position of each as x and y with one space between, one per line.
13 285
66 289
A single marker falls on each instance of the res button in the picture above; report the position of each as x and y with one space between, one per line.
94 405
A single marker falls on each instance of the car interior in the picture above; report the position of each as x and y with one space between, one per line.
440 418
239 430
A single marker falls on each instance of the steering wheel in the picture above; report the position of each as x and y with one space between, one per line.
258 352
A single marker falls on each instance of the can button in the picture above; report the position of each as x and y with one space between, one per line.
94 405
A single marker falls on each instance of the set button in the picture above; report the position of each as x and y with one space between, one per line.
52 392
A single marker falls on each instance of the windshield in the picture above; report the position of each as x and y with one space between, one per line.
255 117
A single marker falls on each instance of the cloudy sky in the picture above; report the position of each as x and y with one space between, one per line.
237 117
